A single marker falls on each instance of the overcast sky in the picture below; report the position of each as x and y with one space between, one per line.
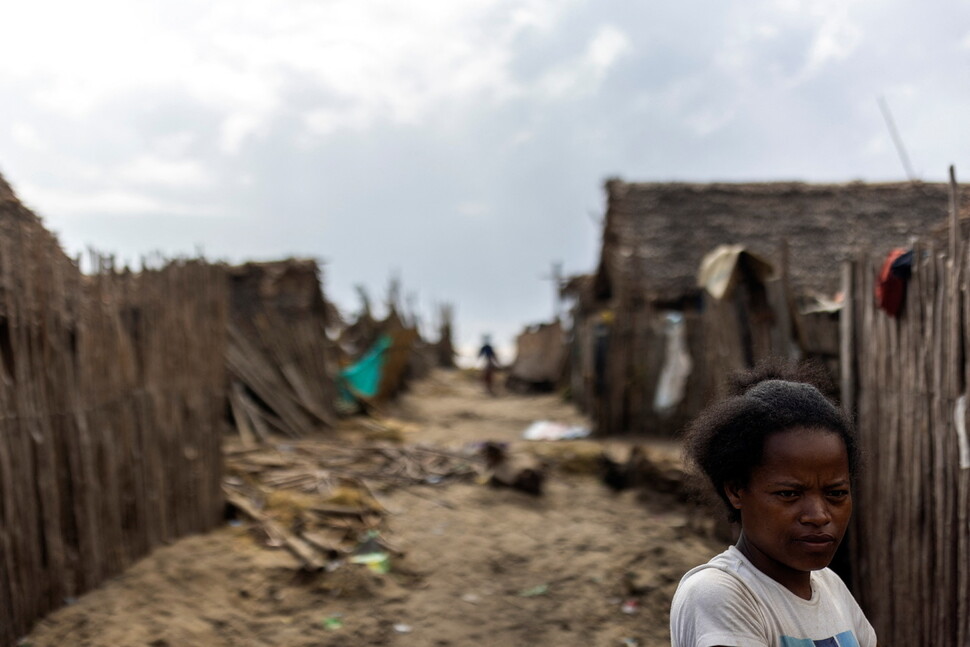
461 144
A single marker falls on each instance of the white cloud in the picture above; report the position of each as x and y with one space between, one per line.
65 202
377 58
607 46
26 136
836 39
878 146
521 138
584 74
708 120
326 121
175 145
235 129
788 42
473 209
155 171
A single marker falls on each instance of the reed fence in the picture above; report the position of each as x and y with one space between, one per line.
112 398
907 378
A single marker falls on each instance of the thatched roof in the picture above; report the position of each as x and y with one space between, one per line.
14 213
291 286
657 233
24 235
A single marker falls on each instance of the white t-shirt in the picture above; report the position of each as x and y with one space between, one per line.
730 602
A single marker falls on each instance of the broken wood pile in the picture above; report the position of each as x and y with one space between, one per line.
111 399
316 499
279 357
400 362
645 469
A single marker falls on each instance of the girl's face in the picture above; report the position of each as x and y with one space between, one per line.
796 506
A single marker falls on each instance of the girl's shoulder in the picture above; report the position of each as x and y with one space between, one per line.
719 579
713 605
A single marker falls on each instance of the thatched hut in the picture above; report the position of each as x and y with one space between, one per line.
540 358
654 239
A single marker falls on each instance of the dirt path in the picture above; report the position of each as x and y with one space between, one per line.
577 566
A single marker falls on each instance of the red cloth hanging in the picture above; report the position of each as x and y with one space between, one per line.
891 286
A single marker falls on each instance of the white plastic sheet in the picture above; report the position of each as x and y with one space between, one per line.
548 430
677 366
960 418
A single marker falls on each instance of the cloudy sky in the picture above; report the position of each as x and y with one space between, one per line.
459 144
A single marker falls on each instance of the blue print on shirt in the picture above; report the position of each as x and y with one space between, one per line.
844 639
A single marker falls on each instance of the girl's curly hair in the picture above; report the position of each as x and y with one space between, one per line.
726 441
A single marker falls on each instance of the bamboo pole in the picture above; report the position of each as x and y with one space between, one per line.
954 214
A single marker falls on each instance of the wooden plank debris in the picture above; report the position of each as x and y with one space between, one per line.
299 491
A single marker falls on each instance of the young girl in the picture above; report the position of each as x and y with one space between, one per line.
782 458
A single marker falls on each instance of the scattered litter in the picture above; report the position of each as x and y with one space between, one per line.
503 469
631 642
379 562
373 548
541 589
403 628
471 598
547 430
332 623
630 607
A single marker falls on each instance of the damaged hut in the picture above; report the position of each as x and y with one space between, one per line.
650 344
280 359
379 357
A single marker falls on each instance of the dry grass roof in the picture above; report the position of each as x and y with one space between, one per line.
27 240
656 233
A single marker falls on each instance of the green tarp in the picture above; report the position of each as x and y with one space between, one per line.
362 379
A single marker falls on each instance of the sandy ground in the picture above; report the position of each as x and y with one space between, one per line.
580 565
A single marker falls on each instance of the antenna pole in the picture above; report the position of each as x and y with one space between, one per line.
897 140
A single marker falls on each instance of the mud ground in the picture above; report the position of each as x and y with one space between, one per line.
580 565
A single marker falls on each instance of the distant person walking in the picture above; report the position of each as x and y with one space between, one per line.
491 364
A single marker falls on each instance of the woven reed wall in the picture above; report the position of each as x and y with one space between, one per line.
112 397
911 538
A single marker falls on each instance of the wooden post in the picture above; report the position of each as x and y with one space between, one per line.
954 214
847 340
797 334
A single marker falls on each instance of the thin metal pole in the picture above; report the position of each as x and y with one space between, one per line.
897 140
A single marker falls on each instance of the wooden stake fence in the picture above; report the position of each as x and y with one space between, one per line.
907 374
112 397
